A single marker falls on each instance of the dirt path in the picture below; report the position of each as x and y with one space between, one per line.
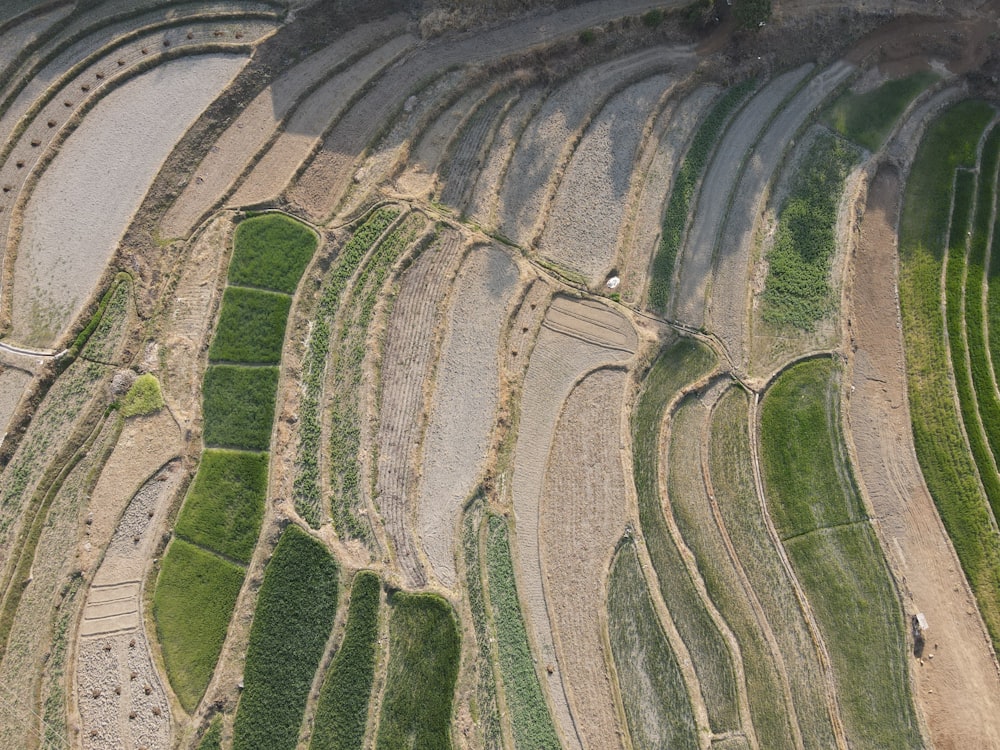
957 686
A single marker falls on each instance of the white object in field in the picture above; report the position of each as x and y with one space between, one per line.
922 621
613 282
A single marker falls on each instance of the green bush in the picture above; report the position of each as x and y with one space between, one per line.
239 406
295 612
342 711
225 505
867 118
144 397
683 193
797 291
653 18
424 646
192 605
530 722
271 252
251 327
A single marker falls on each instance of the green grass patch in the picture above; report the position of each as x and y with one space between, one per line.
424 646
657 705
225 505
530 723
867 118
306 486
251 326
683 193
192 605
835 555
797 291
239 406
950 142
677 366
143 397
212 739
271 252
291 624
342 711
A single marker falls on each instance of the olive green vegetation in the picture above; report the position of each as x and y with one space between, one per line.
306 487
424 647
225 505
270 252
678 365
692 511
212 739
833 550
867 118
143 397
682 194
291 624
797 291
947 467
731 470
752 14
530 722
657 706
342 710
104 331
239 406
193 602
251 326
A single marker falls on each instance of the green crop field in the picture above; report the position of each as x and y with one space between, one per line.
271 252
193 602
225 505
239 406
342 711
684 190
938 436
530 722
212 739
251 327
797 291
291 624
424 647
834 552
678 365
867 118
657 705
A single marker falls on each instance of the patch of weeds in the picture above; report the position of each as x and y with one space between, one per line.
143 397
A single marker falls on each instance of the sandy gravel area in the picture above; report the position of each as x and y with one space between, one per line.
695 259
549 139
958 691
558 361
311 119
729 305
464 403
12 384
234 151
582 515
585 219
672 131
326 178
407 364
71 230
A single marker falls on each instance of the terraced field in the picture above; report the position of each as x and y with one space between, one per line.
515 375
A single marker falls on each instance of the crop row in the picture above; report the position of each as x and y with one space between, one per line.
291 624
678 365
833 550
944 458
797 291
683 192
306 489
342 710
530 722
424 648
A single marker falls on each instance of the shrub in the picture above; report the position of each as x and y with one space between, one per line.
251 327
587 37
342 711
653 18
295 612
192 605
239 406
144 397
271 252
752 13
225 505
